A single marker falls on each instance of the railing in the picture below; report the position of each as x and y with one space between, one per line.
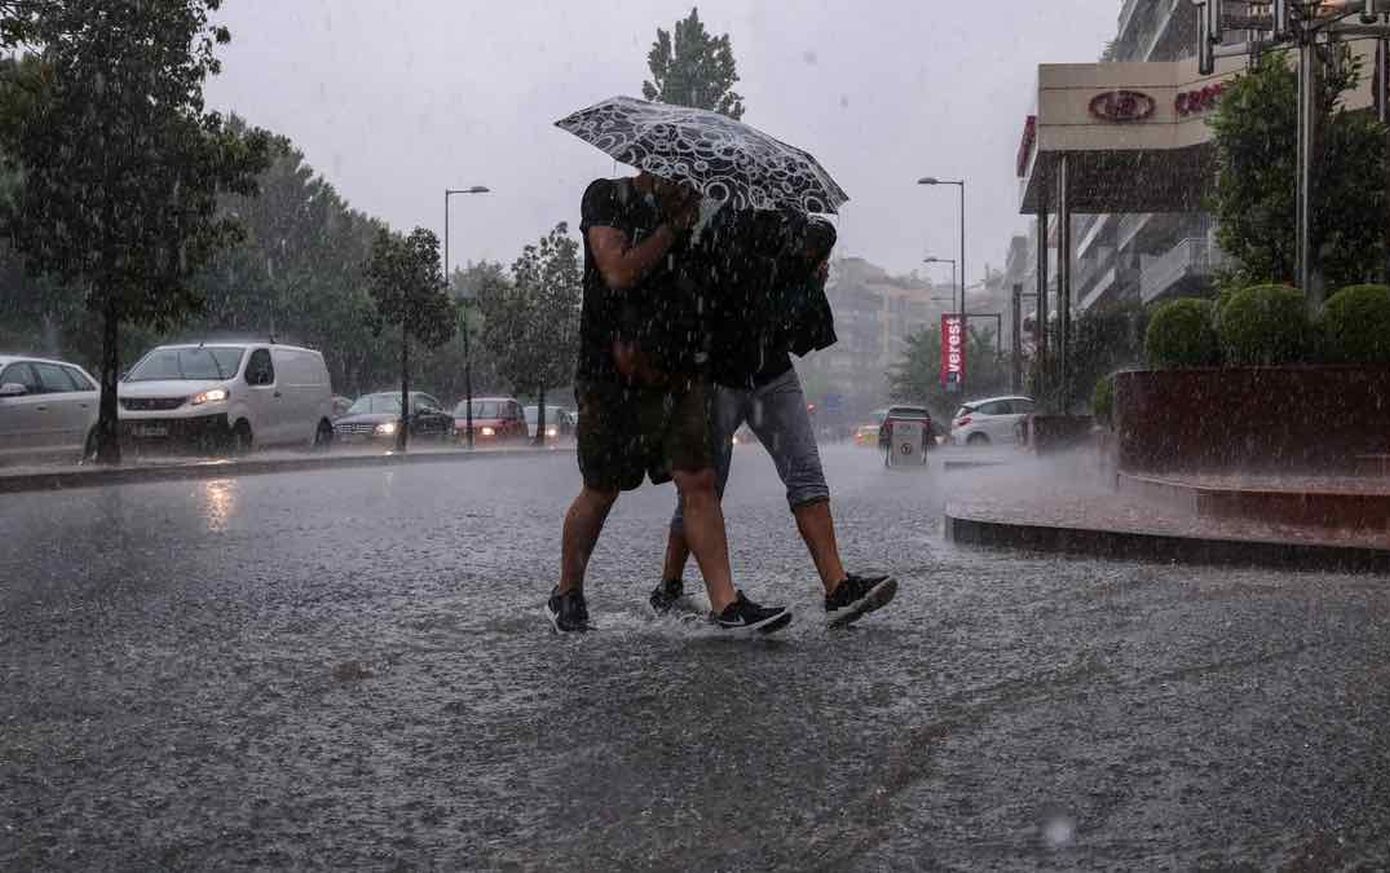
1191 258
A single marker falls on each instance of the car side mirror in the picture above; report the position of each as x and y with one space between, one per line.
13 389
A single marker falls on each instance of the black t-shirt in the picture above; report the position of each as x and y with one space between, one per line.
660 313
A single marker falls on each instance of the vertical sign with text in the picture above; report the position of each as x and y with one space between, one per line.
952 351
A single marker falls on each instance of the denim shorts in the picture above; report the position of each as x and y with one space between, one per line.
776 412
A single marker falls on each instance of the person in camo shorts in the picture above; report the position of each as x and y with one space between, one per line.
643 392
770 270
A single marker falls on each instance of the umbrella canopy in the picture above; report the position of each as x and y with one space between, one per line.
726 160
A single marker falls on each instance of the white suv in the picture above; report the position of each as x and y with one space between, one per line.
46 408
991 420
238 394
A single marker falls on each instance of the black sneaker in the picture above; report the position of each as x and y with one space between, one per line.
669 598
744 614
858 596
568 611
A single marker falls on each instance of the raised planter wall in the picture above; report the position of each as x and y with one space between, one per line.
1054 433
1307 418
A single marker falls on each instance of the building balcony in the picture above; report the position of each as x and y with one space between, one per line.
1185 269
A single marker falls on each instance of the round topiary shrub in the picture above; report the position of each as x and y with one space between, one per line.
1182 334
1103 400
1355 325
1265 324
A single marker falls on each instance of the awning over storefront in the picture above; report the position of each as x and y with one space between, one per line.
1137 135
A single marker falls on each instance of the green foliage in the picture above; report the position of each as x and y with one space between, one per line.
408 288
121 165
1355 325
1255 132
694 70
531 322
1265 324
1103 399
1182 333
1103 340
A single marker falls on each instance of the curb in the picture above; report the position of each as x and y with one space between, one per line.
1166 548
1321 508
63 480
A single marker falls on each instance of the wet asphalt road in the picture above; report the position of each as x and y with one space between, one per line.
349 670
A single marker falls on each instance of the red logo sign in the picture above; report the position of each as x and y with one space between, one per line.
1193 102
952 349
1122 106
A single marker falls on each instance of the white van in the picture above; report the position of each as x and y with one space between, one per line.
228 394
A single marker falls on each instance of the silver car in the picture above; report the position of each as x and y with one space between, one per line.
47 408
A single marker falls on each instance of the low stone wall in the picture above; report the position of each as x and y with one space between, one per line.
1051 433
1305 418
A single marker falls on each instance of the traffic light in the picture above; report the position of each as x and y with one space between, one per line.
1206 47
1280 14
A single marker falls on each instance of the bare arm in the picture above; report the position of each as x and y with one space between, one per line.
622 264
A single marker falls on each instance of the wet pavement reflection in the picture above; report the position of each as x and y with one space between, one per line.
350 670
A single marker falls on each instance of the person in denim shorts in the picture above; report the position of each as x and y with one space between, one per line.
772 273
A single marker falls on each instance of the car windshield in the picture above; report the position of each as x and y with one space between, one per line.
187 364
481 409
376 403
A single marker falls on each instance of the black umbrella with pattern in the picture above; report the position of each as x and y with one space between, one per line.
726 160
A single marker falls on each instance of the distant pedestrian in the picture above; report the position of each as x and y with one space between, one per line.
770 302
642 394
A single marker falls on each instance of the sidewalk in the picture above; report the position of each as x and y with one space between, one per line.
1069 504
19 479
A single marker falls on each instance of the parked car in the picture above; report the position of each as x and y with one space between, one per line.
907 413
559 422
868 435
227 395
47 408
375 418
991 420
495 420
744 436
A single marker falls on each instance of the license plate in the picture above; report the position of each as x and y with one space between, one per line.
150 430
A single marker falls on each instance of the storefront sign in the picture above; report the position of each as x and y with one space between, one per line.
1122 106
952 350
1200 100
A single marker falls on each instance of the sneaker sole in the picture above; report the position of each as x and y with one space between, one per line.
877 598
766 626
554 617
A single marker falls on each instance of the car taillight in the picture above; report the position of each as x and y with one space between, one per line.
962 422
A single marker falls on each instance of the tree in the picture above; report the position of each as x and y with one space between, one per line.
695 69
531 323
1255 132
121 164
916 377
407 285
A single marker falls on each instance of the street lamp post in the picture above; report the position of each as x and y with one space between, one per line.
932 180
448 280
951 261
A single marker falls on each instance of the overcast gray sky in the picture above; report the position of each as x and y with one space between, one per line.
394 100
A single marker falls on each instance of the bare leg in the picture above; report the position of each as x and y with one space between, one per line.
583 524
704 530
677 553
818 530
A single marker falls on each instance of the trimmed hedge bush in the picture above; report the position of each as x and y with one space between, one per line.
1355 325
1265 324
1103 399
1182 334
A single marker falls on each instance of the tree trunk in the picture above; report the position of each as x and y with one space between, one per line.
108 417
540 417
403 426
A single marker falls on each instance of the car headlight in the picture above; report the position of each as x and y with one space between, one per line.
487 431
386 428
212 395
552 431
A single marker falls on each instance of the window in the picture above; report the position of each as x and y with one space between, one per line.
80 379
995 407
376 403
194 363
53 379
259 370
21 374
